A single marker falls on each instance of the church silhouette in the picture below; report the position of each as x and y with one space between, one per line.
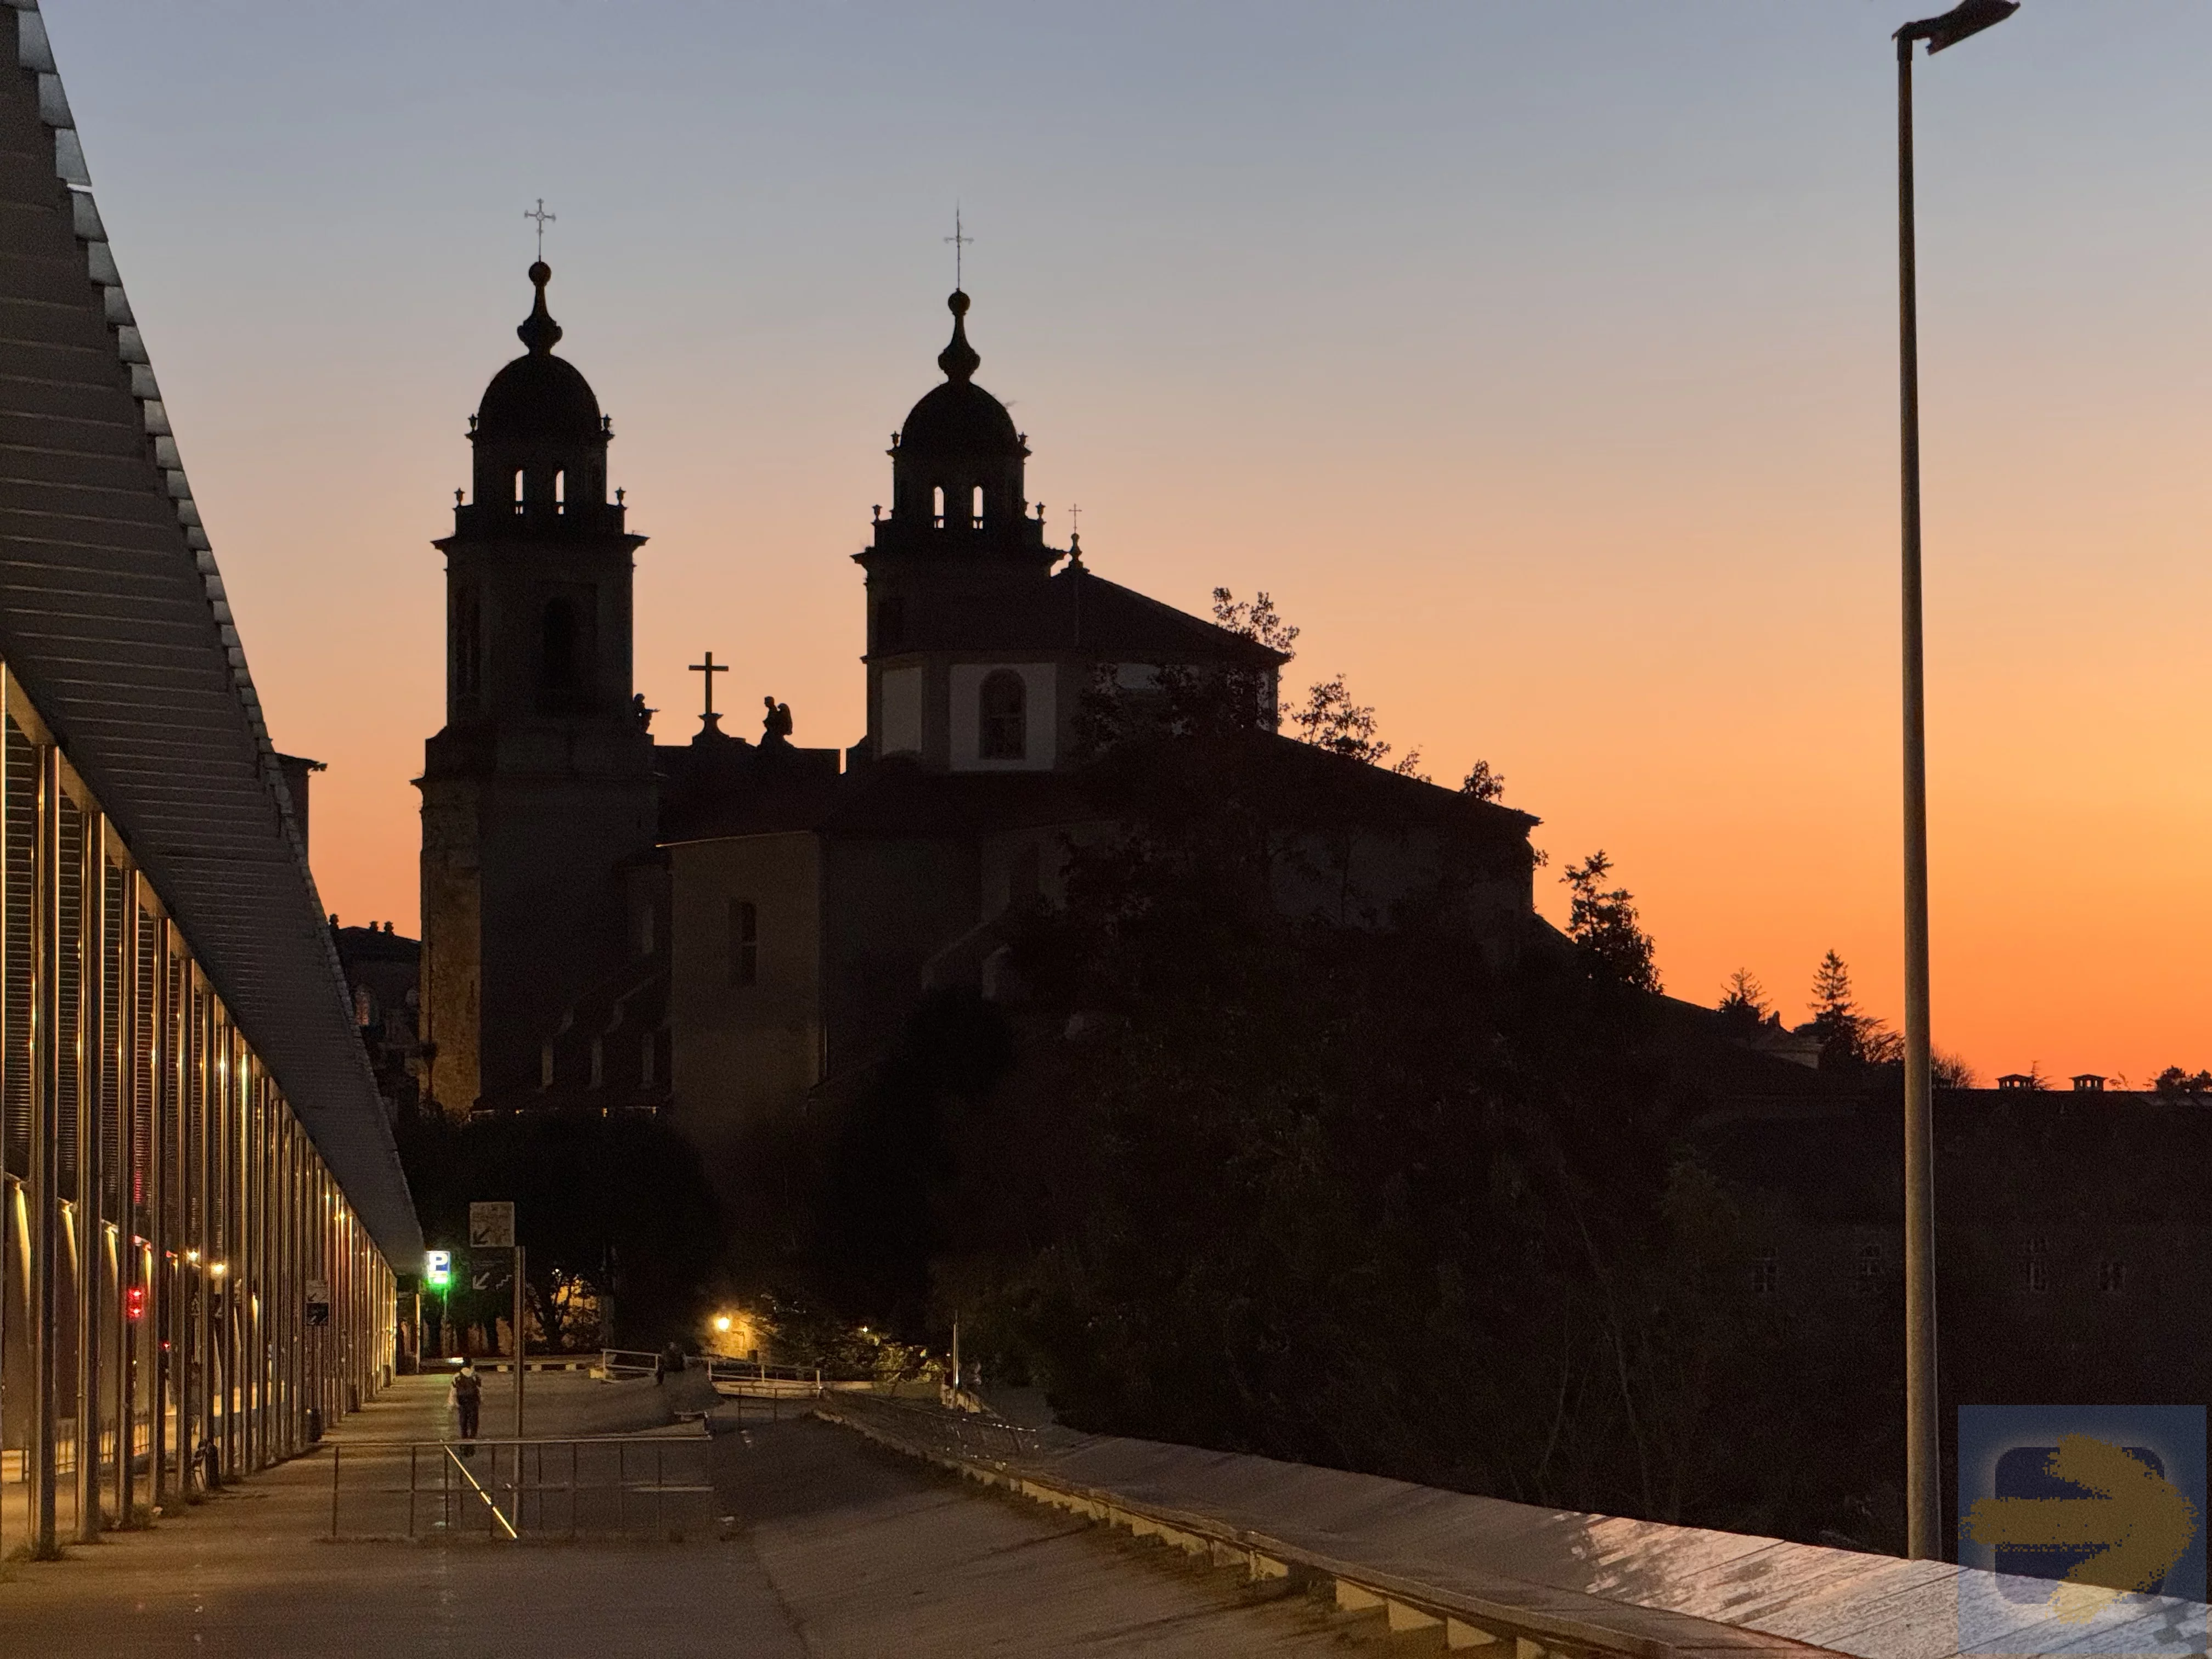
723 928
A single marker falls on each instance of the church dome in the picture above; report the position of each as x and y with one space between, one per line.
959 418
539 397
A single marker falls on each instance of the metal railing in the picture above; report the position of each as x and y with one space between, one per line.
791 1381
650 1486
628 1362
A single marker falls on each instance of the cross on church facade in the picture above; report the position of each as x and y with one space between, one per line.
959 239
1074 518
544 219
709 668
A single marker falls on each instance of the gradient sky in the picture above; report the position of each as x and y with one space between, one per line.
1538 358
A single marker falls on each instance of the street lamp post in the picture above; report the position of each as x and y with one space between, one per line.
1923 1481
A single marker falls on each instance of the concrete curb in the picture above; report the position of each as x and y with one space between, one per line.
1463 1622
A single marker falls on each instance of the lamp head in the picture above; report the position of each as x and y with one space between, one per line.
1969 17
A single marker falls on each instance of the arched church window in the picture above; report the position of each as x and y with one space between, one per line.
937 506
558 667
518 489
560 491
1005 717
975 512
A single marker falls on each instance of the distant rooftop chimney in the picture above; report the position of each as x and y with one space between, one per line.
296 768
2088 1083
2017 1080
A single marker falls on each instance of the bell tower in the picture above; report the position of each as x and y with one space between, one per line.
959 547
540 787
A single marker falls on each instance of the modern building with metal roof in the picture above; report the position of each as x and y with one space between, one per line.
188 1111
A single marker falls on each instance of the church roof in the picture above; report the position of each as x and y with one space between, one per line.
900 798
114 619
1077 610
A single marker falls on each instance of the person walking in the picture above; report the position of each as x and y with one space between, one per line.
468 1397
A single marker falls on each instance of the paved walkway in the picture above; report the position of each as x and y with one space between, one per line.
838 1549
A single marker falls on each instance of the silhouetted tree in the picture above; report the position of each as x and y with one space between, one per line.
1743 1002
1482 783
1255 620
615 1206
2174 1082
1604 923
1849 1036
1950 1071
885 1215
1332 721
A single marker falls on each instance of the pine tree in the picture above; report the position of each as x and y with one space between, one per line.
1849 1036
1743 1001
1604 924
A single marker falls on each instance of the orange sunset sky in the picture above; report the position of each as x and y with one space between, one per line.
1538 358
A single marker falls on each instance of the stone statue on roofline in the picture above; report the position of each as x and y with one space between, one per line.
776 725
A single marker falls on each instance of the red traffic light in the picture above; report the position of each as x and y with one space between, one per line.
134 1302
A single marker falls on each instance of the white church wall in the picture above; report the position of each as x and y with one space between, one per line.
902 696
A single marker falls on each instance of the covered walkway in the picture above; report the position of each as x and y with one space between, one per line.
200 1203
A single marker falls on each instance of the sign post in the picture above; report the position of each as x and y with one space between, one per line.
438 1275
491 1227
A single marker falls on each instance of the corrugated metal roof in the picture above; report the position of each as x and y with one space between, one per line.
114 617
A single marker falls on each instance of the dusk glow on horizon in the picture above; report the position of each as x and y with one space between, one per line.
1540 360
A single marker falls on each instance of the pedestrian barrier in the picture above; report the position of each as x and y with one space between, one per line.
628 1362
752 1378
639 1486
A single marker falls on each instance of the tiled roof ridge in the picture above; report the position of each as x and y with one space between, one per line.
1085 573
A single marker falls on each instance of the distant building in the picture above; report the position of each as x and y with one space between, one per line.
382 973
2070 1243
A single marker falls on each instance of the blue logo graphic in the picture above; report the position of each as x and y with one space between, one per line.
2089 1523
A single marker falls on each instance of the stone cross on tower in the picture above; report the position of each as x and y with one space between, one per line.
544 219
709 668
959 240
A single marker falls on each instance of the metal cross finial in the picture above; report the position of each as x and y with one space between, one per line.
959 238
709 668
544 219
